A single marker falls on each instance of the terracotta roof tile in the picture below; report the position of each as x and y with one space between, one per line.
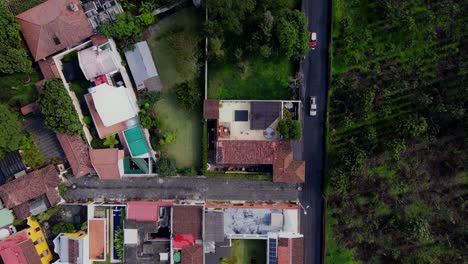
285 168
52 26
48 69
29 108
192 254
246 151
99 39
297 250
76 152
106 162
211 109
18 192
187 220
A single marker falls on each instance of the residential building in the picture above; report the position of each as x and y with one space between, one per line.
72 248
101 11
76 151
6 223
276 224
142 67
53 26
28 246
187 232
32 193
108 163
243 138
11 165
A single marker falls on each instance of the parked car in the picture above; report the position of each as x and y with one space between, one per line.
313 106
313 40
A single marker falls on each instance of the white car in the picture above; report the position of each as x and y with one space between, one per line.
313 106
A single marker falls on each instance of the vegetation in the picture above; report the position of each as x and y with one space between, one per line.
62 227
19 6
252 44
119 242
173 118
245 251
18 89
166 166
62 189
57 106
46 215
110 141
397 146
30 153
188 95
13 58
10 127
290 129
125 30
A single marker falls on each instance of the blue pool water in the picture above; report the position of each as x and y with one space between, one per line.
116 215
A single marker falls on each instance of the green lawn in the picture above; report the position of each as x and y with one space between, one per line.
187 146
265 79
243 251
16 93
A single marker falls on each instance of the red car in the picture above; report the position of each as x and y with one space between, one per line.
313 40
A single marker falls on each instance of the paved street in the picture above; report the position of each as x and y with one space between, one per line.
181 188
315 71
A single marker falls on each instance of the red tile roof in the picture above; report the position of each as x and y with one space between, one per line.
98 40
97 238
144 211
285 168
52 26
291 250
297 250
193 255
187 220
19 249
106 162
246 151
76 152
181 241
29 108
20 191
48 69
250 152
211 109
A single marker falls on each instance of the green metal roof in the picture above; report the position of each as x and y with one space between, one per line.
136 141
6 217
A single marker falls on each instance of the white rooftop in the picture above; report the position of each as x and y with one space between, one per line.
130 236
95 62
141 63
113 104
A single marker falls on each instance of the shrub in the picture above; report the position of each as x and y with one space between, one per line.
188 94
290 129
110 141
30 153
46 215
167 138
87 120
119 242
166 166
62 188
10 127
62 227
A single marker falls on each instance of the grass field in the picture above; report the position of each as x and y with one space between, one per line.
263 79
244 251
14 92
187 146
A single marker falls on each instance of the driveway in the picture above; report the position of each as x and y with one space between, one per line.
197 188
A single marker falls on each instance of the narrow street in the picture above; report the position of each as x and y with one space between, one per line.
197 188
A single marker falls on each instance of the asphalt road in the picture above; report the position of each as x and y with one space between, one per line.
196 188
315 70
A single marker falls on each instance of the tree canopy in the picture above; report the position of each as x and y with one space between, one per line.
291 33
10 128
188 95
125 29
166 166
13 58
57 106
290 129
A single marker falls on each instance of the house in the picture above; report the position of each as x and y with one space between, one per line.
76 151
97 61
71 248
142 67
32 193
101 11
108 163
29 246
10 166
187 231
111 109
271 223
243 135
6 223
53 26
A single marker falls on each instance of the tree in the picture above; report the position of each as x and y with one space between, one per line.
110 141
166 166
185 51
13 58
119 242
63 227
125 29
216 49
412 125
167 138
291 33
30 153
10 128
146 17
57 106
290 129
188 95
229 15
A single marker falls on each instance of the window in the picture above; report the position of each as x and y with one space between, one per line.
56 40
38 229
38 241
45 253
241 115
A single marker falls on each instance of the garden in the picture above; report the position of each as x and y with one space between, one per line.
247 251
175 49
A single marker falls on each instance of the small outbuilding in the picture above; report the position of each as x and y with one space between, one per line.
142 66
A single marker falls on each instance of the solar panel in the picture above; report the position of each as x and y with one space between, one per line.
263 114
241 115
272 248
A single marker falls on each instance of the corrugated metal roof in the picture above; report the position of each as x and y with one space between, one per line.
12 163
141 64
